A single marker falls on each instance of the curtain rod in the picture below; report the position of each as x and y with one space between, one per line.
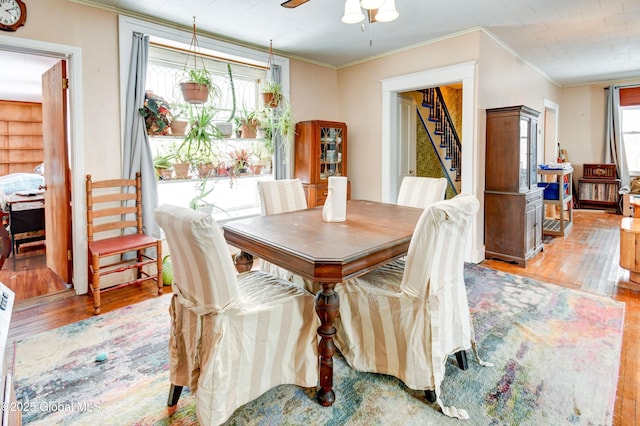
205 55
623 86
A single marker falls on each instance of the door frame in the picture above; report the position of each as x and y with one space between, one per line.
472 180
73 56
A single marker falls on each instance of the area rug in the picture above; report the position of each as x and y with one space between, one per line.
556 353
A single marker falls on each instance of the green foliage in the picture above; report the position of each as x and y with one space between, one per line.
201 132
200 76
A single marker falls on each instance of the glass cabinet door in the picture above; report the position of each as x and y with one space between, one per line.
524 155
331 152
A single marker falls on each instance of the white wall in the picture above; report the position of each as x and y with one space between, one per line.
582 123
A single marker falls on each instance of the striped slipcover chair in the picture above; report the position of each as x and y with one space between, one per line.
282 196
405 318
233 336
421 192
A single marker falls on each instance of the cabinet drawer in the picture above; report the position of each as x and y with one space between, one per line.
534 197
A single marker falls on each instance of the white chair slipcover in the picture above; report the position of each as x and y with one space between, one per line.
421 192
405 318
282 196
233 336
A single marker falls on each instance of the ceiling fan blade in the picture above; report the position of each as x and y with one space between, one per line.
290 4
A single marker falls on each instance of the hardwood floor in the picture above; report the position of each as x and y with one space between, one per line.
587 259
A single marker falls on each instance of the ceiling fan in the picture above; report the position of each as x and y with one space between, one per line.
290 4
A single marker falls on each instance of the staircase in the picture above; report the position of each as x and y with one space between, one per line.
440 128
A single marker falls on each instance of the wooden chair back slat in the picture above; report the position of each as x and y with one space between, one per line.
113 183
114 211
111 198
110 226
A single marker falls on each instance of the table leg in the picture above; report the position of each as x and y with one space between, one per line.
243 261
327 306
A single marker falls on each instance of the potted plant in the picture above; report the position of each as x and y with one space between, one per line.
201 132
157 114
180 120
247 122
181 161
204 163
271 93
240 159
196 88
162 164
226 127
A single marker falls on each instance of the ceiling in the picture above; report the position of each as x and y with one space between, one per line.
570 41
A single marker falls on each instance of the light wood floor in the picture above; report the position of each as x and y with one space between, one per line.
587 259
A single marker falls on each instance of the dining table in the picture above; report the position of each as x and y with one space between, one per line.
328 253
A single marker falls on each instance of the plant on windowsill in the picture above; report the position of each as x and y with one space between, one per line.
162 164
205 163
157 114
247 122
182 162
240 159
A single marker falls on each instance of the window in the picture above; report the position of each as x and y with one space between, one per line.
630 119
226 196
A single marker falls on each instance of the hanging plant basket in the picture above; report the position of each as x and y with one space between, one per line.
194 93
270 100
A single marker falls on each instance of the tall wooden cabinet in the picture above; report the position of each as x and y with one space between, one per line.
513 202
320 152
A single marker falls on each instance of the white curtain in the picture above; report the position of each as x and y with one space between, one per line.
137 156
614 146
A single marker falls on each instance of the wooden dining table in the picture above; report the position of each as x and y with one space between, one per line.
326 252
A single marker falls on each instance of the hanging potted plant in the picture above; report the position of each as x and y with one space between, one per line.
271 94
197 87
197 80
271 89
200 134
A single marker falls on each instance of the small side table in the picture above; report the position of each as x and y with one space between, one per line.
563 199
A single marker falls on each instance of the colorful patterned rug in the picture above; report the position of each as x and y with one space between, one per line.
556 353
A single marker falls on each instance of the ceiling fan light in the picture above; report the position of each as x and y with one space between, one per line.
352 12
371 4
387 12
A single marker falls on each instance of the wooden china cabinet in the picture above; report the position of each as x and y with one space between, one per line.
513 201
320 152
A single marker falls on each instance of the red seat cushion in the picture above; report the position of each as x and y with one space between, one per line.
121 244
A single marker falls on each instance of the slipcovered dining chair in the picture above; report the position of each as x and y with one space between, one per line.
421 192
233 336
405 318
282 196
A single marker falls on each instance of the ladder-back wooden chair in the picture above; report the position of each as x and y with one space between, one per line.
113 207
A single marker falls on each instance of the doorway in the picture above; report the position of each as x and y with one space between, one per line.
465 74
72 57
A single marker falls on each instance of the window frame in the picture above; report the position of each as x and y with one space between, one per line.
632 171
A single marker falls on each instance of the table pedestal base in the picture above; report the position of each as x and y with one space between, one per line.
327 306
